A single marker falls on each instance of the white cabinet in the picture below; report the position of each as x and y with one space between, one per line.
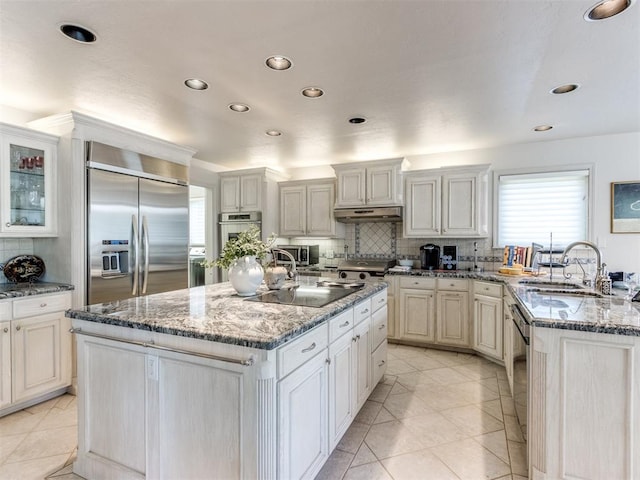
306 209
392 305
341 381
5 364
35 348
241 193
28 183
302 420
487 319
584 399
369 183
417 309
362 362
447 202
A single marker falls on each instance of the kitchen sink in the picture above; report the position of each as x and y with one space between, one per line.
563 292
551 285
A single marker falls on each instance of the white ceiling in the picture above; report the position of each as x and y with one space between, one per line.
429 76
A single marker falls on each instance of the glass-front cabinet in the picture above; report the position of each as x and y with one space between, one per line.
27 180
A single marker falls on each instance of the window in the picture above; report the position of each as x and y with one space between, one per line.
532 206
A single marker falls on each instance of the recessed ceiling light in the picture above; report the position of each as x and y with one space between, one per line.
542 128
273 133
356 120
607 9
78 33
278 62
196 84
312 92
569 87
239 107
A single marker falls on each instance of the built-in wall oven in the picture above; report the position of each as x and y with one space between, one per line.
231 224
520 367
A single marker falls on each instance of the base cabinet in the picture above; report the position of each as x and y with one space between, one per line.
452 325
159 406
583 385
35 349
488 321
302 417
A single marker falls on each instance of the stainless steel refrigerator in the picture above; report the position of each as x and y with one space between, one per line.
137 224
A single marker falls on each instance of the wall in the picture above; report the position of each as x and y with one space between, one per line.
614 157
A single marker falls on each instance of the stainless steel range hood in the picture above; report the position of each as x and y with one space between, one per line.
367 215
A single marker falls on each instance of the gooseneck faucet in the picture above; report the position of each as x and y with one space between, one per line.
595 248
293 273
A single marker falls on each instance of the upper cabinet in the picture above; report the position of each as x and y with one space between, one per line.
376 183
447 202
28 184
306 209
241 193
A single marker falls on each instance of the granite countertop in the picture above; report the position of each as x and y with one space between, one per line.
610 314
216 313
15 290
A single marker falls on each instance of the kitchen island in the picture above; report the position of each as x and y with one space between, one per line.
201 383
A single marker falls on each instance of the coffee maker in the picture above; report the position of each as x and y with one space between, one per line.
430 257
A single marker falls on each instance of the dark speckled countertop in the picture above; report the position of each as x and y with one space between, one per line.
216 313
15 290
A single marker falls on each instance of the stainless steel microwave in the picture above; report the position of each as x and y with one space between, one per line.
304 254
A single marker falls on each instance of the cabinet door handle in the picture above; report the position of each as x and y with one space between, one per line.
353 339
18 327
357 337
366 310
328 361
381 300
42 305
381 326
486 289
309 348
5 330
344 324
8 224
382 362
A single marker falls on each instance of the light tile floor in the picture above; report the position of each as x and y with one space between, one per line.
436 416
39 440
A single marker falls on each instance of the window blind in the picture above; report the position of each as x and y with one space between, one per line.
531 206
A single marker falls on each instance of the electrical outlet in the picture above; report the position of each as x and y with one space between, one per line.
329 254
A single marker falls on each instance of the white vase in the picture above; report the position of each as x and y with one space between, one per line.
245 275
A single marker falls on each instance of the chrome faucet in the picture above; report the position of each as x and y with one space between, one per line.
293 273
599 271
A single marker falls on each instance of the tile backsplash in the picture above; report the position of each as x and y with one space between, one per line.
10 247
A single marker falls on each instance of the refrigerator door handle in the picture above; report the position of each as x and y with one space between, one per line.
145 245
134 261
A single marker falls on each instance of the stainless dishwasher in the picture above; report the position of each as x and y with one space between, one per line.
521 367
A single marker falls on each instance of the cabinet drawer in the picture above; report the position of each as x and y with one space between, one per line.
362 311
293 355
379 300
379 318
39 304
456 284
340 325
418 282
5 310
489 289
379 363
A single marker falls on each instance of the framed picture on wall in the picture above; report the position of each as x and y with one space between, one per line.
625 207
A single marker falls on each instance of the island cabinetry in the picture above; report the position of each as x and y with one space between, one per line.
35 351
369 183
583 405
417 320
306 209
392 306
452 316
379 322
27 183
447 202
487 319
